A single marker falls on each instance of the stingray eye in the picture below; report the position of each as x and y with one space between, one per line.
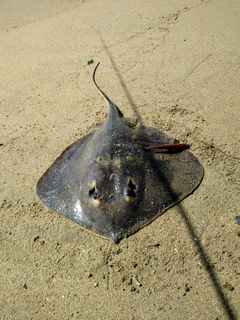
93 193
131 188
130 192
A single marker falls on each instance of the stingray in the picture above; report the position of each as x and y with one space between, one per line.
119 177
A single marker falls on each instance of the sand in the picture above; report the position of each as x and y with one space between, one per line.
173 64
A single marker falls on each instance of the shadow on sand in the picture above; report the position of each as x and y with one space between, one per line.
205 259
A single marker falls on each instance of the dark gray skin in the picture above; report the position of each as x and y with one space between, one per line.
118 178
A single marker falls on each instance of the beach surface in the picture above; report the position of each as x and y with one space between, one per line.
175 65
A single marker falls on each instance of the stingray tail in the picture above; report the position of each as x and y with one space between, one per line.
110 103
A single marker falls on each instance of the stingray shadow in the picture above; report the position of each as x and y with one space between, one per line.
204 257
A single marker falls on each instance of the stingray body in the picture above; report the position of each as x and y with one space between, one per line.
118 178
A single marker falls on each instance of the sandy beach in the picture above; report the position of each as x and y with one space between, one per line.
174 65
